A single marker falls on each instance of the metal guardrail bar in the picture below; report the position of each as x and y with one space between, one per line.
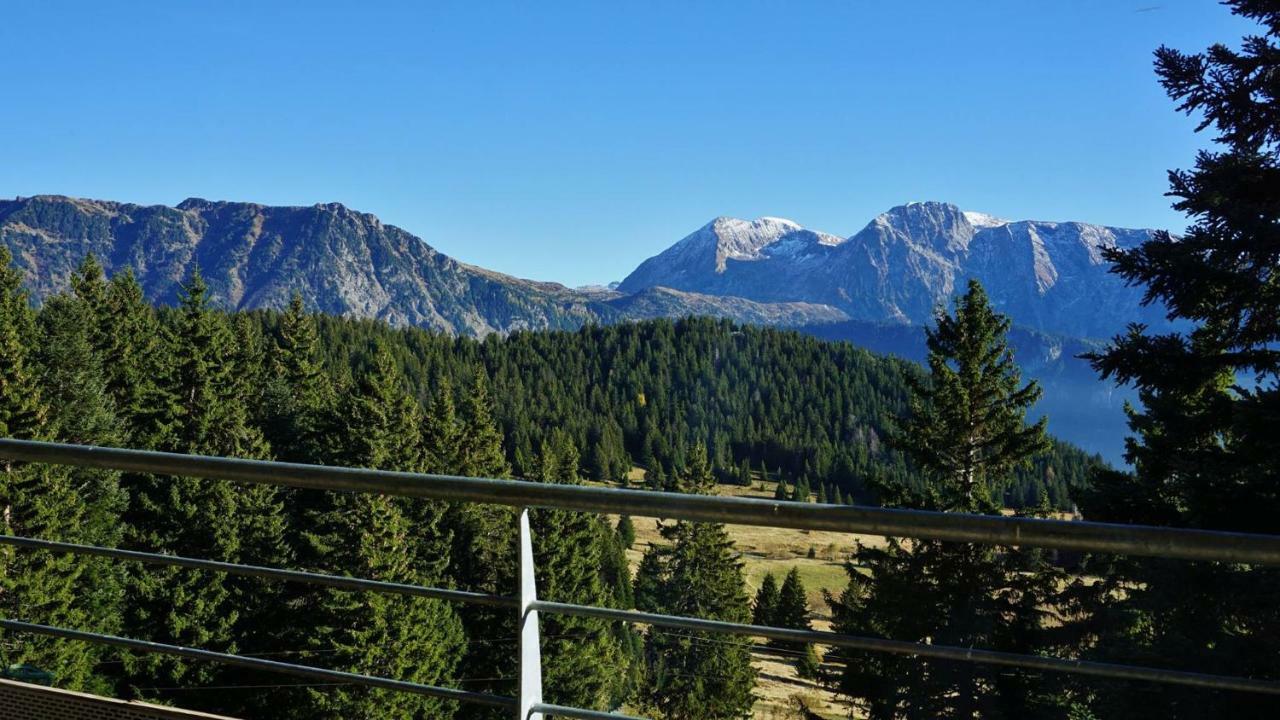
569 712
260 664
904 647
1177 543
301 576
899 647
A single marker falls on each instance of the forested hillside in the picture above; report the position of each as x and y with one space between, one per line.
645 393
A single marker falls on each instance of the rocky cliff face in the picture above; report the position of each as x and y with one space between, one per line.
343 262
1047 276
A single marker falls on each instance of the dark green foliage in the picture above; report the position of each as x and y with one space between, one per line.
46 501
1205 439
202 410
801 491
382 537
696 675
807 665
129 341
772 397
299 393
584 664
780 491
792 609
967 424
966 432
626 532
82 411
766 602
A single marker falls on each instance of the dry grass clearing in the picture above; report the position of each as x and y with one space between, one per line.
777 550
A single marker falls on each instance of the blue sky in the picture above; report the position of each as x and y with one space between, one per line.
569 141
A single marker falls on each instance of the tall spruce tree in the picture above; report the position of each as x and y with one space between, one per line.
376 536
442 431
484 556
967 423
766 602
792 608
584 664
82 411
41 501
696 574
1205 443
202 411
128 338
300 396
966 432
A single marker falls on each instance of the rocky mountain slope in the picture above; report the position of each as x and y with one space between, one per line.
1048 276
343 262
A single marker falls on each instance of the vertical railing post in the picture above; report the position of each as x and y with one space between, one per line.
530 646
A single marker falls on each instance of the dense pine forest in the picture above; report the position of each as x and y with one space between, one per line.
645 393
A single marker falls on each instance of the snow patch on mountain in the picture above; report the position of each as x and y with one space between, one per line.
983 220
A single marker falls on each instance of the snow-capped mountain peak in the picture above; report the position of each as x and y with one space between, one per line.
909 260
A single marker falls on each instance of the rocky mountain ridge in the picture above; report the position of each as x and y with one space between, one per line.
342 261
1048 276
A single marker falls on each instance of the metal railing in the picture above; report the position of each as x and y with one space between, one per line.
994 530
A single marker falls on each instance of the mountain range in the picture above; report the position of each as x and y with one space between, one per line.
1048 276
875 288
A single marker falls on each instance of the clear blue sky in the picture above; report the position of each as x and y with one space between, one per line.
569 141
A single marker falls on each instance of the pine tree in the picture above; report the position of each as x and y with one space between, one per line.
694 675
202 412
300 396
780 492
966 431
442 431
37 501
383 537
801 491
81 411
766 602
967 425
1205 441
792 609
807 665
484 554
626 532
128 338
583 659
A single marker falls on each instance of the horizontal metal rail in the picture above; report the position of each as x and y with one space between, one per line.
300 576
904 647
305 671
571 712
871 644
1177 543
